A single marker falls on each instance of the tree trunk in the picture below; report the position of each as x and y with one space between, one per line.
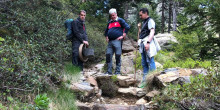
170 15
162 18
174 15
126 11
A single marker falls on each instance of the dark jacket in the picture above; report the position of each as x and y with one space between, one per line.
145 31
116 28
79 30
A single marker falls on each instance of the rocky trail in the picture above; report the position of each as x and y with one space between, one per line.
98 91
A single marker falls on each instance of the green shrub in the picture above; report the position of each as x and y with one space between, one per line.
163 56
41 101
201 87
188 63
33 46
188 46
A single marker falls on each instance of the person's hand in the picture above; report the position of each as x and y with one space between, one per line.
124 35
107 40
86 42
139 25
147 46
119 38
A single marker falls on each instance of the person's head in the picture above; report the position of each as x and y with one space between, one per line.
82 15
113 14
144 13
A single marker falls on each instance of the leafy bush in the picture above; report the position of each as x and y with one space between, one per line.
201 88
164 56
41 101
188 46
34 49
32 45
188 63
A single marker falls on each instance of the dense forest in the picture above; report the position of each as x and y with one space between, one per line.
34 52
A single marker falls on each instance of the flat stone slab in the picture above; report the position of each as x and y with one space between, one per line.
133 91
126 81
177 76
81 87
118 107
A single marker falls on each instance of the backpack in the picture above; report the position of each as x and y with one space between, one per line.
68 26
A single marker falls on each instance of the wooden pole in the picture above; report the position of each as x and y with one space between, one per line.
136 48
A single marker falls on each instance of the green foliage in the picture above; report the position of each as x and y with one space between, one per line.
188 63
2 107
199 35
202 87
188 46
35 49
41 101
71 69
163 56
138 61
114 78
63 99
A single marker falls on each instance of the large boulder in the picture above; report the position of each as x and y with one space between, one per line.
127 65
83 91
127 46
107 85
176 76
165 40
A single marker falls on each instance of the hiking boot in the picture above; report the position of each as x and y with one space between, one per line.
117 73
142 85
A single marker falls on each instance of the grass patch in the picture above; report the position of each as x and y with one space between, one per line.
62 99
71 74
71 69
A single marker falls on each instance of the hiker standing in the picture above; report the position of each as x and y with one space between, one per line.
115 32
79 37
147 45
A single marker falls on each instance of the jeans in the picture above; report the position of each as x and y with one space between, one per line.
114 46
147 66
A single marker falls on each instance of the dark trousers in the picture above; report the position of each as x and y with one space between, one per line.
75 54
114 46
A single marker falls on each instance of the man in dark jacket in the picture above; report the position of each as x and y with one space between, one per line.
115 32
79 37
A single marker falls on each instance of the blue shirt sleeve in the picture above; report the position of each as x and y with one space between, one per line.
124 25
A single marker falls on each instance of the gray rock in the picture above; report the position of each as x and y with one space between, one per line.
165 40
127 46
151 95
132 91
198 71
125 81
141 101
99 67
83 106
117 107
172 75
82 87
